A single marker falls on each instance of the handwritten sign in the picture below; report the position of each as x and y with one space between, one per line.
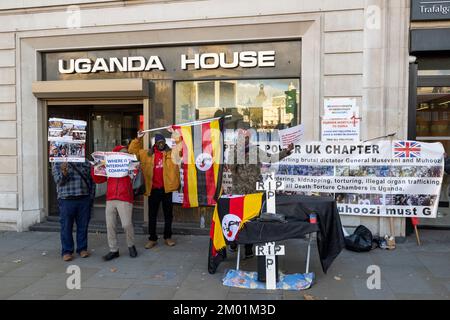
291 135
270 250
118 164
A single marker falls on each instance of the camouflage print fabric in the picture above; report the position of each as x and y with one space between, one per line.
246 173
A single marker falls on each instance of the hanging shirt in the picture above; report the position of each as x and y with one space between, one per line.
158 180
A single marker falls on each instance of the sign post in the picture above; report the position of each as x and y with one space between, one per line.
270 250
270 185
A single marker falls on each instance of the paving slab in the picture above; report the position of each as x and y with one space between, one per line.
31 268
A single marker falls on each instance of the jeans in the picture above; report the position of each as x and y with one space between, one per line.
78 211
156 197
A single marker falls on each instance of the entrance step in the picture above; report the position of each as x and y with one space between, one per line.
140 227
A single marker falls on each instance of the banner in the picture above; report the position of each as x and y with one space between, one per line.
114 164
67 140
385 178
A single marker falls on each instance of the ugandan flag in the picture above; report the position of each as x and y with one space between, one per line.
202 162
230 214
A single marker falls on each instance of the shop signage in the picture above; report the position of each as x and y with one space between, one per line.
430 10
243 59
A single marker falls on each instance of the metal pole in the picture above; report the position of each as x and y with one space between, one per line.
187 123
238 257
309 253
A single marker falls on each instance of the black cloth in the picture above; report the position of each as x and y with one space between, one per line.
156 197
296 209
447 165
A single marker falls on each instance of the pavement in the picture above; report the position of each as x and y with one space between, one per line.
31 268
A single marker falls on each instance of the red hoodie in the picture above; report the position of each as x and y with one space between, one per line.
117 188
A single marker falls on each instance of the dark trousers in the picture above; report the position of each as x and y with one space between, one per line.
156 197
78 211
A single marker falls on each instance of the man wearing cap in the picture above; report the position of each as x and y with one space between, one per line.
119 200
162 177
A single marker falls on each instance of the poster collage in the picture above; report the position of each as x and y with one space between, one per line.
67 140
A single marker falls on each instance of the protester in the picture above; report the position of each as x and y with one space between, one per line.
162 177
119 200
246 169
75 195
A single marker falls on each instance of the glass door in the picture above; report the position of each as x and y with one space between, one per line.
433 125
108 126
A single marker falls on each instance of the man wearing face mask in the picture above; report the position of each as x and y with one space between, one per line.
162 177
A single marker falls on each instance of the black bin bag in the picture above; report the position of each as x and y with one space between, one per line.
360 240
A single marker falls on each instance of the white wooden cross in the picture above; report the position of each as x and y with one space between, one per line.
270 185
270 250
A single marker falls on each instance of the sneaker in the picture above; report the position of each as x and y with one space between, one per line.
84 254
169 242
133 251
383 244
150 244
111 255
67 257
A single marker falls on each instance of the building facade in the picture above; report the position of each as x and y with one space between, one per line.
140 70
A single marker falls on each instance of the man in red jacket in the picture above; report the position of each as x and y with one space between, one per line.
119 200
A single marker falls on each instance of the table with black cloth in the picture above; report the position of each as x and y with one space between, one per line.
296 209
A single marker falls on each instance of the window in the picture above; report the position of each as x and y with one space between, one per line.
260 104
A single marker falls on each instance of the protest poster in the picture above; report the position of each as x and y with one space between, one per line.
114 164
67 140
339 108
385 178
341 120
291 135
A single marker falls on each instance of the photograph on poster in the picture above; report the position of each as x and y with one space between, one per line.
64 151
388 199
386 171
411 199
66 130
79 136
55 123
362 199
302 170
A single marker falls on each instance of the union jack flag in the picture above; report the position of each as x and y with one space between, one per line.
407 149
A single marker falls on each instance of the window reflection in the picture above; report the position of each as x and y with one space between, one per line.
432 122
433 112
264 104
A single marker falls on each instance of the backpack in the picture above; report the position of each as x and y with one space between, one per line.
360 240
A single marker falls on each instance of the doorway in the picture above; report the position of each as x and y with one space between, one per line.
107 126
433 125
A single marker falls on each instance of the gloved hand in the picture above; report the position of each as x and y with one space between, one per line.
140 134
